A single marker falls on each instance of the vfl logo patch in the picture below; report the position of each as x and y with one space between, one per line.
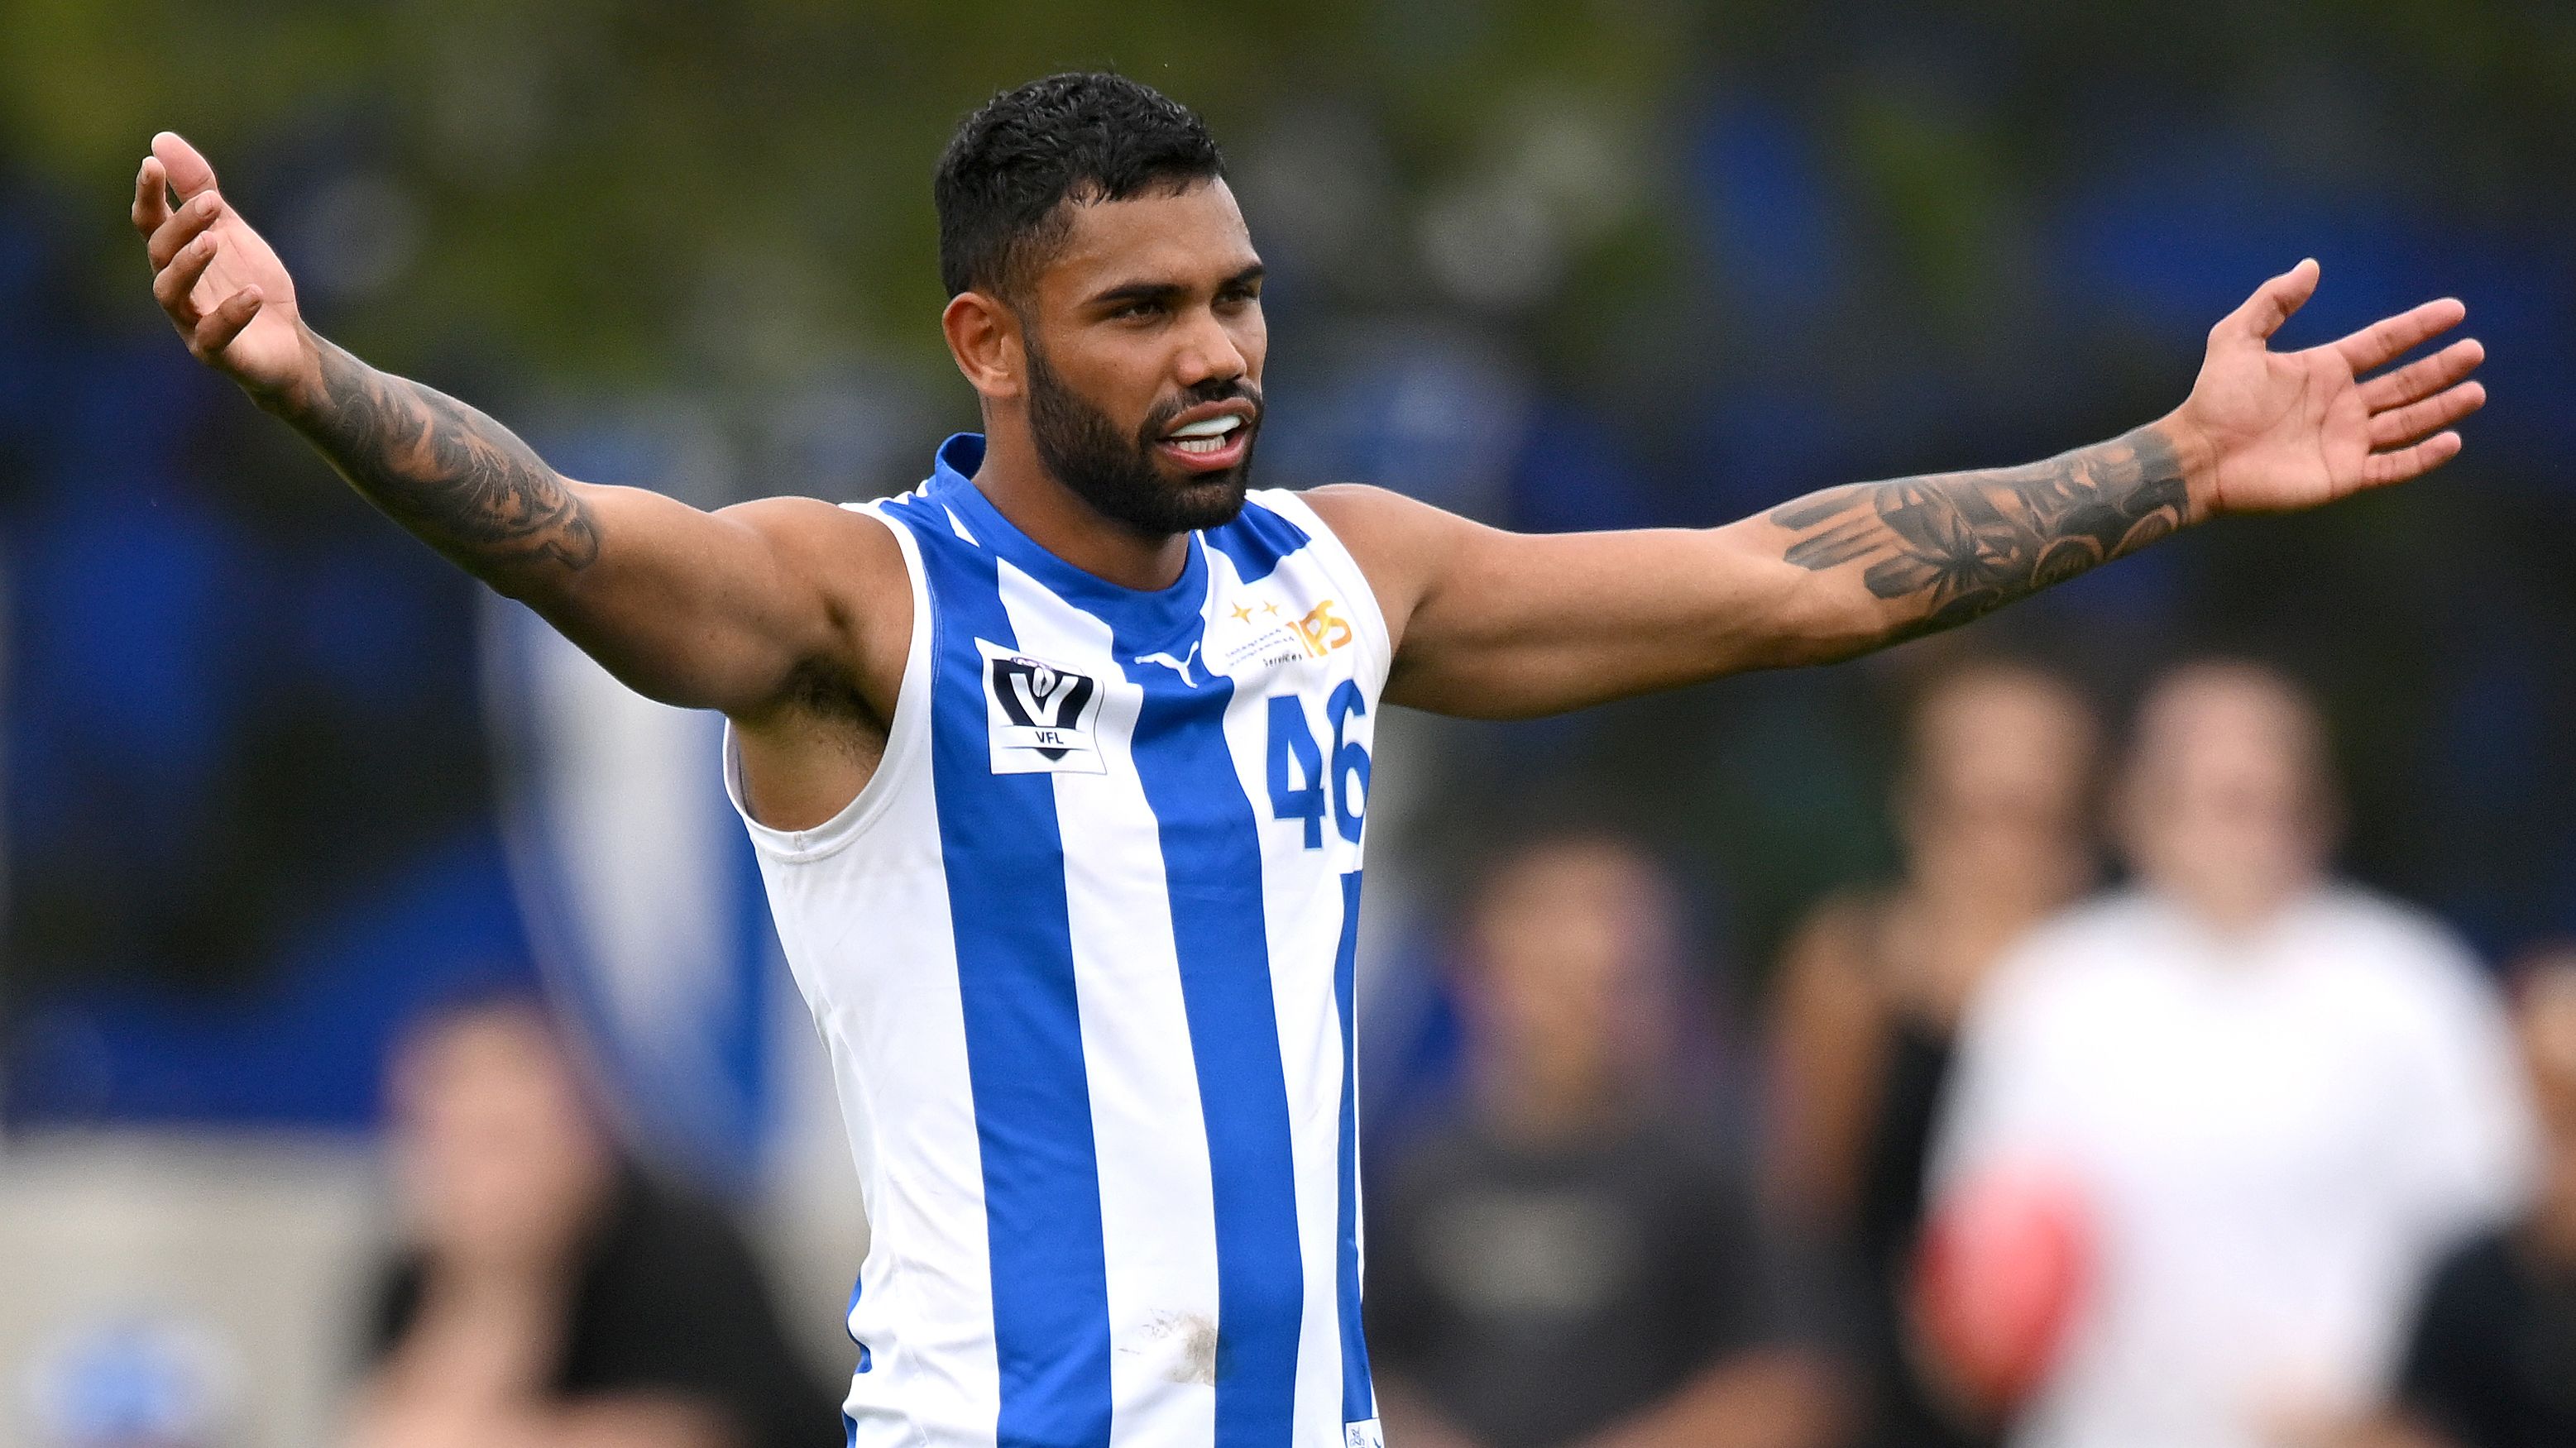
1041 716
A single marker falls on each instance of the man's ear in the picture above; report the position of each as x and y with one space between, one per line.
984 338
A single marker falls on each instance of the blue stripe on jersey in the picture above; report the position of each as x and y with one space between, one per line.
1256 541
1212 868
856 1286
1006 901
1359 1396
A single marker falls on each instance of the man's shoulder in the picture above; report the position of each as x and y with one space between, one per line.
834 543
847 562
796 522
1392 537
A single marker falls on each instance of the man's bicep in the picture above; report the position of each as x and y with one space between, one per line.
1493 624
715 610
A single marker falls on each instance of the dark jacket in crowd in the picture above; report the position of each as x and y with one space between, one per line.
669 1301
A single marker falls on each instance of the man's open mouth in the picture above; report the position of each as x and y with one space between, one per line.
1209 442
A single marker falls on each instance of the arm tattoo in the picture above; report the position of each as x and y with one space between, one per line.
1955 546
464 483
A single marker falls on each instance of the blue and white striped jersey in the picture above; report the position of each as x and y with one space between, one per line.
1081 953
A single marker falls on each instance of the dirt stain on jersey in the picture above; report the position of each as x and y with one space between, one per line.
1193 1336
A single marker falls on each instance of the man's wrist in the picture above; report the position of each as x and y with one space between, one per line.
303 391
2197 456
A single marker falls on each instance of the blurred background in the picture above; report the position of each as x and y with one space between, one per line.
277 786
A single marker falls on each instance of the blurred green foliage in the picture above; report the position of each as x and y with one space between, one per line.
600 180
655 191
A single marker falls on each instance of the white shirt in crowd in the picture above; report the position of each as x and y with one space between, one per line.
2275 1133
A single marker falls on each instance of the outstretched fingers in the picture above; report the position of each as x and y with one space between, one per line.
2404 463
2272 303
151 196
2424 376
2385 341
2405 424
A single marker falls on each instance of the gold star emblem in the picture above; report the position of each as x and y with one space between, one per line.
1271 609
1241 614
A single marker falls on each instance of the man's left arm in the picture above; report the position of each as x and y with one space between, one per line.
1493 624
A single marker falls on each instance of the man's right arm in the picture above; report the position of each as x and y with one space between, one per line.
729 610
704 610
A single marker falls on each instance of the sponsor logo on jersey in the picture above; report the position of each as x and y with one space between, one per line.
1041 716
1272 636
1183 666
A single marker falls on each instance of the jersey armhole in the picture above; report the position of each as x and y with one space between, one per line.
906 743
1337 560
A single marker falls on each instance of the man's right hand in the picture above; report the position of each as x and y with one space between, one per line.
789 614
224 289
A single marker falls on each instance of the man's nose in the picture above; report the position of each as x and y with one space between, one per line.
1209 353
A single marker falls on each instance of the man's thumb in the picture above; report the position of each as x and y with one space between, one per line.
188 169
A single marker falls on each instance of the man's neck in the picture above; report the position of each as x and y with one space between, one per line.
1016 482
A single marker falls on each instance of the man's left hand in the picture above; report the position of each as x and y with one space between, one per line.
2274 432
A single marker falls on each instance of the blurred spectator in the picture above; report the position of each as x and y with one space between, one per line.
1570 1259
1992 813
2491 1359
555 1297
2270 1098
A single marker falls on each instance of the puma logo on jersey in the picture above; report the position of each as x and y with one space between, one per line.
1180 666
1041 716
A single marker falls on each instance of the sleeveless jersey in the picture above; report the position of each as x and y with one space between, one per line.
1081 954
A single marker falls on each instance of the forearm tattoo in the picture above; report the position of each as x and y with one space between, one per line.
1956 546
466 484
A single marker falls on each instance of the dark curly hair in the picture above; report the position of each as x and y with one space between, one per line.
1005 179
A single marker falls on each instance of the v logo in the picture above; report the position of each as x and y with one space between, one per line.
1040 715
1040 695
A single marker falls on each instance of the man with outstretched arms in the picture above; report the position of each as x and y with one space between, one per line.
1057 765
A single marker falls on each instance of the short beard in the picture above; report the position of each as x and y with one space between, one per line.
1119 476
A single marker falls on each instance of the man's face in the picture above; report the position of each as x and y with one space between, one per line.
1145 341
2227 806
498 1156
1571 945
2002 766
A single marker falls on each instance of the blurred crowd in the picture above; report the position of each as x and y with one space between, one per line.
2114 1119
2196 1144
554 1295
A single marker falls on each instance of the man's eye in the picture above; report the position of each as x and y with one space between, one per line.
1138 309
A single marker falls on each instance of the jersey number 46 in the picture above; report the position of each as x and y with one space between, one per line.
1301 788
